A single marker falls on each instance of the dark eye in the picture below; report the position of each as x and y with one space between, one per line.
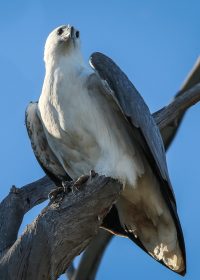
77 34
60 31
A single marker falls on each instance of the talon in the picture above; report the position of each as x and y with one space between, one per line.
92 173
54 193
60 191
81 180
66 186
74 189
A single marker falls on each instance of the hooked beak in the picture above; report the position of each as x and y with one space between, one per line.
73 33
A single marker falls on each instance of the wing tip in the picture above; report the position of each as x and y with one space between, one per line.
139 243
182 273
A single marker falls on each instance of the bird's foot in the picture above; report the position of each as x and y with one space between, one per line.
83 179
59 192
80 181
93 173
67 187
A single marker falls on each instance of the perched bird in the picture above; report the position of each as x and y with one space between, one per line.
90 119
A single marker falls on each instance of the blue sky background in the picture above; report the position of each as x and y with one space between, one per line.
156 43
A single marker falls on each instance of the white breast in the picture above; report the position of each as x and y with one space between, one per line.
85 132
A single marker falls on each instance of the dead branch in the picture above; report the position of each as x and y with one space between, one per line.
170 129
177 107
91 259
61 232
17 204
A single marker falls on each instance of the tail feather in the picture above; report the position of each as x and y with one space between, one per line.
152 228
150 219
112 224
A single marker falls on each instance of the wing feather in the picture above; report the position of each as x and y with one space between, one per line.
41 149
143 125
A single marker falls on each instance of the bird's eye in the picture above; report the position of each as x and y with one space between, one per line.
60 31
77 34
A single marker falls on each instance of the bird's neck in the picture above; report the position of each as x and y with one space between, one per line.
60 70
70 64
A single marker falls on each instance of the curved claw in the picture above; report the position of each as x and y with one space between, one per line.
84 178
93 173
81 180
60 191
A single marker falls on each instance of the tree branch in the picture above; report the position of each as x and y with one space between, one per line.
91 259
50 243
170 130
177 107
70 272
17 204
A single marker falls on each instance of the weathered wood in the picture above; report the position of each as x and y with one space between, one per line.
17 204
61 232
177 107
91 259
171 129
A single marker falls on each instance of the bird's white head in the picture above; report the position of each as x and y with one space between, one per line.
62 41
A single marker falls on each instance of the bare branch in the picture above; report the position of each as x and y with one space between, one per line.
70 272
60 232
91 259
16 204
193 77
170 130
177 107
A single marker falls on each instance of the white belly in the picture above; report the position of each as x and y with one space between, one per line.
87 133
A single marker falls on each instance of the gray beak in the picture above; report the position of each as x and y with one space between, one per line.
73 32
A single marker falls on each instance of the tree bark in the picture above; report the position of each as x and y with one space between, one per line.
17 204
61 232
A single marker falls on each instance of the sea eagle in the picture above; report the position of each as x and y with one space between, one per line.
91 119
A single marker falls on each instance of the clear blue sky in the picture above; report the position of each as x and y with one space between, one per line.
156 44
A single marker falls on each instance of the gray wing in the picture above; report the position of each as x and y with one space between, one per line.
41 149
137 112
143 125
